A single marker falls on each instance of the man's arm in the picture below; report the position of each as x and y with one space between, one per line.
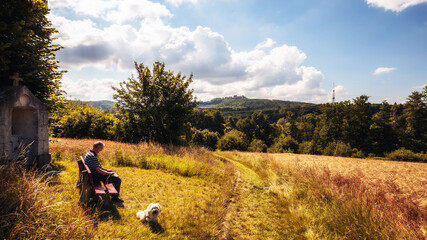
103 171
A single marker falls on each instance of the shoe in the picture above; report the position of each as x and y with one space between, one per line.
117 200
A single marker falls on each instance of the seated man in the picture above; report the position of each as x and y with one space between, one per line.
99 173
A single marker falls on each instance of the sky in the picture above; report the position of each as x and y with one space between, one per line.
297 50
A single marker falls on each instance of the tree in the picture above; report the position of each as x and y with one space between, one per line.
415 113
382 137
233 140
208 119
156 105
81 120
27 48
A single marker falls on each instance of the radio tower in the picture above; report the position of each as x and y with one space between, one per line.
333 93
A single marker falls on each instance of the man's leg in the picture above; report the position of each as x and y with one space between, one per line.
116 183
108 179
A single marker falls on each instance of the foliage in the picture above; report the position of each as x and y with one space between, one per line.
156 105
81 120
307 147
338 149
205 138
211 120
27 48
233 140
403 154
256 127
257 146
284 144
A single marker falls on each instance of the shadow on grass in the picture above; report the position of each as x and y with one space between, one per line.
103 210
155 227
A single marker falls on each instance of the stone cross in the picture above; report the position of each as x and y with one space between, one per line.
16 79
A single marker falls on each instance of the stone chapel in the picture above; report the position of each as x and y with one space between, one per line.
23 122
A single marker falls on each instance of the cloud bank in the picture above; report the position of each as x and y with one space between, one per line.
110 36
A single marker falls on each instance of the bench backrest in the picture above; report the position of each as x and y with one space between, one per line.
88 171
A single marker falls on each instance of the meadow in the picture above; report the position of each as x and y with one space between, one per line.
218 195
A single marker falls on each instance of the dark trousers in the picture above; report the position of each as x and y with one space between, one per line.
116 181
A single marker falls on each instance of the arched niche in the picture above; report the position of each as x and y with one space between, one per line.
25 128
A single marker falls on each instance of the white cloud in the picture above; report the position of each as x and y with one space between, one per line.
382 70
117 11
268 71
90 89
176 3
394 5
266 44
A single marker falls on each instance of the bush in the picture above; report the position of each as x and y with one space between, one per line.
233 140
338 149
358 153
205 138
81 120
307 147
257 146
403 154
284 144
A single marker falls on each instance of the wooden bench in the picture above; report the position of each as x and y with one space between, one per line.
90 189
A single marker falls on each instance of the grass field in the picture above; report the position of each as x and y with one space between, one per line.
219 195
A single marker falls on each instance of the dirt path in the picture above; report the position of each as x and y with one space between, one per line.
224 233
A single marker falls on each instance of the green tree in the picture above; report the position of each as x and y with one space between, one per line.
415 113
359 120
208 119
156 105
81 120
233 140
382 137
27 48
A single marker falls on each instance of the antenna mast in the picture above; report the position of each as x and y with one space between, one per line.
333 93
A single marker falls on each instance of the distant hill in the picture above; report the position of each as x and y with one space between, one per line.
241 106
242 102
103 104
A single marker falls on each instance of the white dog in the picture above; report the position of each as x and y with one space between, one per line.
150 214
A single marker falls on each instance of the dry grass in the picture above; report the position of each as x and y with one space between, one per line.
318 203
30 210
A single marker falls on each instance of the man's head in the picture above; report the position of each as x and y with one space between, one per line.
98 146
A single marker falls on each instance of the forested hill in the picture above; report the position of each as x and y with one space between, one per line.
103 104
240 106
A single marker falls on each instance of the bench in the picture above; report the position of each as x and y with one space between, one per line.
90 189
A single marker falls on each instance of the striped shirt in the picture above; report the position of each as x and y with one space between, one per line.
91 160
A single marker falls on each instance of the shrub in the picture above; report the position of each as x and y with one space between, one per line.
403 154
257 145
358 153
284 144
338 149
233 140
205 138
307 147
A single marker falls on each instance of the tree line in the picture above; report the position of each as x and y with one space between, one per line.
157 105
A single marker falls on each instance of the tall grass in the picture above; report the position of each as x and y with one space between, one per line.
336 206
29 210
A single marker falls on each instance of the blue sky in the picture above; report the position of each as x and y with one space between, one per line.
290 50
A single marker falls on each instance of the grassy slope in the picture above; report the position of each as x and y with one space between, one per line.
283 196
